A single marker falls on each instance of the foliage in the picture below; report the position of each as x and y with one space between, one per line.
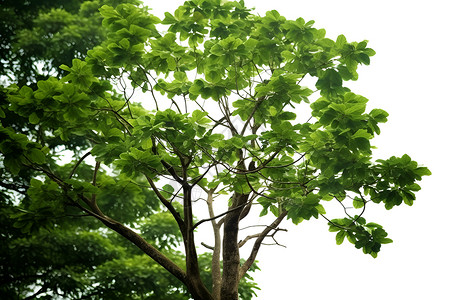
38 36
222 96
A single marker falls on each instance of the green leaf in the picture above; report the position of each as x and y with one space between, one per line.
65 68
351 238
125 43
408 197
272 111
358 202
386 241
340 237
33 118
147 144
362 144
341 41
328 116
345 73
36 156
362 45
168 191
356 109
364 58
379 115
321 209
288 55
287 115
422 171
171 63
264 211
198 114
362 133
330 80
237 141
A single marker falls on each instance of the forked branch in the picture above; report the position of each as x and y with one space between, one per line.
256 246
253 236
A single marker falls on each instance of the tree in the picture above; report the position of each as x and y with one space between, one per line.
222 125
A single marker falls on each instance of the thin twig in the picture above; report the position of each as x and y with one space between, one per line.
78 163
220 215
94 180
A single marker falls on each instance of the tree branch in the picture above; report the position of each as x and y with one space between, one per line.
167 91
94 180
257 104
78 163
203 175
148 249
207 246
251 259
247 209
249 237
167 204
138 241
220 215
224 108
217 249
43 289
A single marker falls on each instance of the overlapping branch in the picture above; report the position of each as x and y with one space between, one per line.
256 246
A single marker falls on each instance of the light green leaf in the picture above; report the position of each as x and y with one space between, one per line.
362 133
147 144
341 41
272 111
171 63
358 202
198 114
237 141
340 237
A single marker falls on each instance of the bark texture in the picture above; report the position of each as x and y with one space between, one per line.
231 257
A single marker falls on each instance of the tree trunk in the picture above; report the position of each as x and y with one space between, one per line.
231 258
194 283
216 273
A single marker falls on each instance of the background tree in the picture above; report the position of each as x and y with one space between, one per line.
38 36
28 30
242 144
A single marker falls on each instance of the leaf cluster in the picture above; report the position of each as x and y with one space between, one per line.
366 236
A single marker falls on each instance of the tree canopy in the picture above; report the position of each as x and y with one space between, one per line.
211 109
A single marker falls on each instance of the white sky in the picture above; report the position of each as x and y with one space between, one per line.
409 78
